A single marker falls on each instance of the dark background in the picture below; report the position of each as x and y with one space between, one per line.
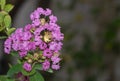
91 50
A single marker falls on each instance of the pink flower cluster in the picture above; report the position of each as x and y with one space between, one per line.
42 35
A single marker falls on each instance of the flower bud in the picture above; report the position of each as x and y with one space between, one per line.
29 61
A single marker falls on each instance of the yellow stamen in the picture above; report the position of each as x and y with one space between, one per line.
43 21
47 36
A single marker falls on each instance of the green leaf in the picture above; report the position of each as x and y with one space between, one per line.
2 28
28 73
38 67
1 17
5 78
3 37
14 53
37 77
14 69
2 3
7 21
11 30
50 71
8 7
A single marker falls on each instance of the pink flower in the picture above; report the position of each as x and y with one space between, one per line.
46 65
47 53
55 59
27 66
48 12
55 67
36 22
22 53
53 19
7 45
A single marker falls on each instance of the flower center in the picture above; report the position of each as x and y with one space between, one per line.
46 36
42 21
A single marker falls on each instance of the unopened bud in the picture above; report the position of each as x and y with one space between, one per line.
29 60
43 57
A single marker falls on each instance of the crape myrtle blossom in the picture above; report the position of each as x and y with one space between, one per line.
38 42
27 66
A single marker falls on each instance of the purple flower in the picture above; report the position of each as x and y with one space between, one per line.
7 49
27 66
55 46
41 35
47 53
37 40
55 67
36 22
43 46
46 65
53 19
47 12
27 27
37 31
24 46
19 30
26 35
34 15
31 46
58 35
7 45
22 53
15 46
55 59
40 10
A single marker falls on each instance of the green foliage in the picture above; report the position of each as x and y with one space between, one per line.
8 7
10 31
5 18
50 70
3 37
33 74
14 69
36 77
5 78
2 3
7 21
28 73
38 67
2 14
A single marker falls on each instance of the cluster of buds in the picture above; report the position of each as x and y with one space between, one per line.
38 42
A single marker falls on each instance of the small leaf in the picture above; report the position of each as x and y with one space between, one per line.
10 65
18 61
11 30
14 53
15 69
37 77
8 7
38 67
3 37
7 21
2 3
50 71
1 17
2 28
28 73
